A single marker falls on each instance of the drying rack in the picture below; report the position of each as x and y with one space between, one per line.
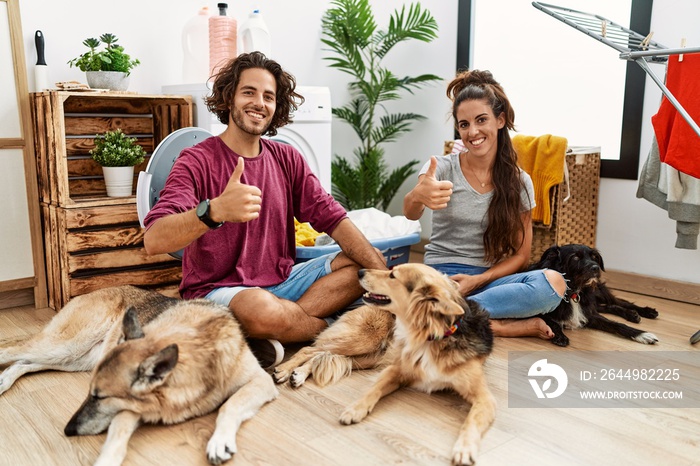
631 45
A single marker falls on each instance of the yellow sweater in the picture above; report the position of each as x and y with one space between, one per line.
542 157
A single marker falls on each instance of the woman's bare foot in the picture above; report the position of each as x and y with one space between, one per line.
532 327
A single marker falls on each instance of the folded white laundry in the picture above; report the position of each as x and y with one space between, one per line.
375 224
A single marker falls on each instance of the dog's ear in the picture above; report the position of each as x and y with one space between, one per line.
154 369
438 300
131 326
450 308
429 297
550 258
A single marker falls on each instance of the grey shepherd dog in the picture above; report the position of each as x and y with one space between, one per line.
154 359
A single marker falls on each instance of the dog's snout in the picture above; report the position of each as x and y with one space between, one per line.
71 429
361 273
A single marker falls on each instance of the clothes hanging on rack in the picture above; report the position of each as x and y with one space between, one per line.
543 158
675 192
679 145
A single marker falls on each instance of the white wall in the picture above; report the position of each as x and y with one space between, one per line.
15 232
559 80
634 235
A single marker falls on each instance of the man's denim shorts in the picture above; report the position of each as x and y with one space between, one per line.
302 277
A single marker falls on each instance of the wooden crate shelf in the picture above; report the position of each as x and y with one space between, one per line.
94 247
65 125
93 241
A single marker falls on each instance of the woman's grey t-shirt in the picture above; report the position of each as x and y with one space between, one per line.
458 229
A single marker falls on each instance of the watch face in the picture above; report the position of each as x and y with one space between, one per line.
202 208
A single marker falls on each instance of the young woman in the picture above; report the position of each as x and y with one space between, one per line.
481 224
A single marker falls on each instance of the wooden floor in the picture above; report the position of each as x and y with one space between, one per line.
301 427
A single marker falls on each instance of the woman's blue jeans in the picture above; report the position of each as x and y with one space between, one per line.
520 295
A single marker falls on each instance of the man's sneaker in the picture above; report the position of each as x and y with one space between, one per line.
268 352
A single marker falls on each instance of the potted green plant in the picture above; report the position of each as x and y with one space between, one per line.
358 48
118 154
108 68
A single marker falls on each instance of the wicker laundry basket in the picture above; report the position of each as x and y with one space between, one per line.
574 206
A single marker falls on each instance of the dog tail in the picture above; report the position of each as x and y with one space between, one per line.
328 368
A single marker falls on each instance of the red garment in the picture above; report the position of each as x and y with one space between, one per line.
679 144
256 253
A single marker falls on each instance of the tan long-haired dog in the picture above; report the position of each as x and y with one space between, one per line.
439 341
357 340
155 360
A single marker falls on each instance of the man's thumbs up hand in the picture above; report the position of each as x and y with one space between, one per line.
239 202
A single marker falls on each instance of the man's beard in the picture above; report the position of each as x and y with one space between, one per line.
238 117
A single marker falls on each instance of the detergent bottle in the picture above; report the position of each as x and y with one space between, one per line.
223 38
195 48
255 36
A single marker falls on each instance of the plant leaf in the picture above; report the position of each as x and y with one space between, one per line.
353 113
392 125
393 183
417 24
409 83
356 47
347 29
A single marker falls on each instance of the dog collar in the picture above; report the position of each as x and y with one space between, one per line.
574 297
450 331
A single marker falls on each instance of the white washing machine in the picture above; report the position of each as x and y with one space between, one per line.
310 133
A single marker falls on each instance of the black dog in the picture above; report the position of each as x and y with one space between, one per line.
587 296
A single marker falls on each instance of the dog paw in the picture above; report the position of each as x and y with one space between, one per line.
648 312
464 455
280 375
5 384
353 415
107 460
298 377
646 338
633 316
221 448
560 340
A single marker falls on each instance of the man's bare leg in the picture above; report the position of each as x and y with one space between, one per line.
335 291
263 315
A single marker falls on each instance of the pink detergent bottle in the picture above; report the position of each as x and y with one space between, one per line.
223 35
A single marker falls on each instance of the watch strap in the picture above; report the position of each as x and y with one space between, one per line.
203 215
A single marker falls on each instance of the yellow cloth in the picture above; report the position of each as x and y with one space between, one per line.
305 235
542 157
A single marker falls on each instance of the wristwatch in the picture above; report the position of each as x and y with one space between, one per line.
203 215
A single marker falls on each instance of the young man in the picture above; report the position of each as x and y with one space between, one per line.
230 202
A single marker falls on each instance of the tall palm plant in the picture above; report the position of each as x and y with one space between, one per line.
358 48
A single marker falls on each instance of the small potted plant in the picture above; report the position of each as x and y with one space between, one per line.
118 154
108 68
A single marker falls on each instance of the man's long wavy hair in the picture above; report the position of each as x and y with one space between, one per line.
226 81
505 231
